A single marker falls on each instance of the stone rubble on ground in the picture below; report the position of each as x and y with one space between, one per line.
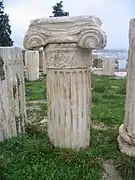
110 173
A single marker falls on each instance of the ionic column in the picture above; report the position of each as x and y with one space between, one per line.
68 54
126 138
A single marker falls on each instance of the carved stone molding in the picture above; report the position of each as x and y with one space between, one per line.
84 30
67 56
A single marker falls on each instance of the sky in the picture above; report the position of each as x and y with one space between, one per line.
115 15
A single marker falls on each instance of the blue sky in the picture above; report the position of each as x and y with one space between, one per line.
115 15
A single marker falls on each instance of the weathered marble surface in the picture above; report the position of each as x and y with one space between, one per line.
69 95
68 44
41 60
12 93
104 65
84 30
97 62
108 66
32 65
126 137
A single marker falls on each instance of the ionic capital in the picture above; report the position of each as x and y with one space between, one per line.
92 38
84 30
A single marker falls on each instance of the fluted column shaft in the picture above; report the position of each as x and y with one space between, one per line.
126 136
69 95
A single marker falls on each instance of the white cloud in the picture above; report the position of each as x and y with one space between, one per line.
114 14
